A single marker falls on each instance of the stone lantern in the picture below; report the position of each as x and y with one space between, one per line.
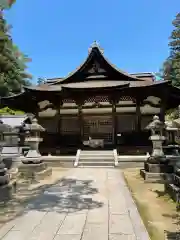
33 139
157 128
171 148
6 186
4 176
33 166
156 167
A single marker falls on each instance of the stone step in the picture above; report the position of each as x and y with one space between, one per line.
99 163
97 152
88 166
96 158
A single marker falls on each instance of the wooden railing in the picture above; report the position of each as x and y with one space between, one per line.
77 157
115 157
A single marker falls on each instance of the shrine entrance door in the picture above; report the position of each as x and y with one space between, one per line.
98 127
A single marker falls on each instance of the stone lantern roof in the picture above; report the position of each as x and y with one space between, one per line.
156 124
5 127
35 126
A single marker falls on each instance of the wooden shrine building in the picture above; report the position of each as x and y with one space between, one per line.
97 100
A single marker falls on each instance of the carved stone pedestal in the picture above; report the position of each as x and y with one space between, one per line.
7 190
172 187
158 168
7 185
156 172
33 171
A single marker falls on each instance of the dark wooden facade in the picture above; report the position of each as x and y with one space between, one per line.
97 100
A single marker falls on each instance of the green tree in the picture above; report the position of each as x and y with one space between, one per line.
40 81
12 63
171 67
6 4
23 59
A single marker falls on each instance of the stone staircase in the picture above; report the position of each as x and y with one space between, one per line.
94 158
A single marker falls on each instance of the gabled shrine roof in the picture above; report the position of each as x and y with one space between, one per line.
105 84
95 66
144 76
97 72
97 84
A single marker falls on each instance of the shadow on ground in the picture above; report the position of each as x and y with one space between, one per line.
176 219
65 195
68 195
160 193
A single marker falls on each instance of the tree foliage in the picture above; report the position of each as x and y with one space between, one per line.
8 111
12 62
172 114
171 67
11 69
6 4
40 81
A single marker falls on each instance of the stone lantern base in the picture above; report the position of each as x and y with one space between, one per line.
172 185
7 190
156 172
34 171
7 185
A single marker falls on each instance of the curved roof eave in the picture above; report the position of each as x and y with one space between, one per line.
14 96
166 82
90 55
78 87
91 85
43 89
120 71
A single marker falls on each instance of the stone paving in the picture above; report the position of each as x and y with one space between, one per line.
87 204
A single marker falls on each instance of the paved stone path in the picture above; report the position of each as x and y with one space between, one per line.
87 204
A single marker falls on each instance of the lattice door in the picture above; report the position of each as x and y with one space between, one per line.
69 125
126 123
98 127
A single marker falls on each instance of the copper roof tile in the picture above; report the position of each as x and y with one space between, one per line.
96 84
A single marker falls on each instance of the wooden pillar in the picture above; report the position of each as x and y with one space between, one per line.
162 110
138 115
164 96
81 128
114 117
59 119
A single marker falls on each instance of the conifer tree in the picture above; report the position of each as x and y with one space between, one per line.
171 69
6 4
12 62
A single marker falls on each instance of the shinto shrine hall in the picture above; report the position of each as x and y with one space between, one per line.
96 101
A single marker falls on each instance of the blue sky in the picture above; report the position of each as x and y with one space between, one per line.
56 34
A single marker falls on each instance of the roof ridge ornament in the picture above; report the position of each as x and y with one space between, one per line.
95 44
